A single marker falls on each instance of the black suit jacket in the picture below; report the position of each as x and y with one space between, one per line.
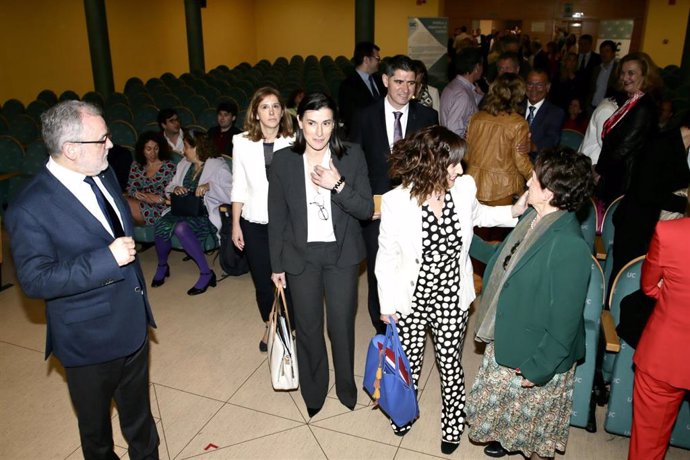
623 145
661 170
547 125
594 61
370 132
96 311
354 95
287 209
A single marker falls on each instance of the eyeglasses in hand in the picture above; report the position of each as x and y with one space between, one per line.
318 201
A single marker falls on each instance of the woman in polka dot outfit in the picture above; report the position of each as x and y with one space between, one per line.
150 173
423 268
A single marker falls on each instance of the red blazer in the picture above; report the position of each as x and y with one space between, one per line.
665 343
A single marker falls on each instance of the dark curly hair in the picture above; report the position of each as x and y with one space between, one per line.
421 162
567 174
205 148
144 138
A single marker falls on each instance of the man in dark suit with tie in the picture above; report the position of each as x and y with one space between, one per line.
67 235
363 86
376 129
545 119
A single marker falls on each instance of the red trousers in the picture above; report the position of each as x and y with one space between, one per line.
655 408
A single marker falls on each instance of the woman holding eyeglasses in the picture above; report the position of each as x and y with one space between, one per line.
423 269
531 315
319 190
205 174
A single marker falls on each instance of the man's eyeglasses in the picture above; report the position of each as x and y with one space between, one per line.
102 142
318 201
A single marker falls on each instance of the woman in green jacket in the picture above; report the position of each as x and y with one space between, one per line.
531 316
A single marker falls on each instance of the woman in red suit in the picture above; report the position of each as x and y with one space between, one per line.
662 368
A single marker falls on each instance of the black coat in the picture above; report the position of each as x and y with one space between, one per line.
622 146
661 170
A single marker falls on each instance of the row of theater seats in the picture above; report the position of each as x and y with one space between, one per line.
135 110
617 361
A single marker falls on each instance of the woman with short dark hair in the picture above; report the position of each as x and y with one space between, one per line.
531 315
150 172
319 191
423 269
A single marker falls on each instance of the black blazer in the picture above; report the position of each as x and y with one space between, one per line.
547 125
96 311
287 209
623 145
354 95
370 132
661 170
593 63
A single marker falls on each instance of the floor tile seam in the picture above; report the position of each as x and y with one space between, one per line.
330 417
222 401
359 437
244 382
160 417
303 422
318 443
197 432
21 346
235 444
74 451
420 452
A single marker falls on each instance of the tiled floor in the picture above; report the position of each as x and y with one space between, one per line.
211 391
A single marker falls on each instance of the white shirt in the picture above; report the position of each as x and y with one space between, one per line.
390 120
536 106
602 83
318 205
177 146
592 142
82 191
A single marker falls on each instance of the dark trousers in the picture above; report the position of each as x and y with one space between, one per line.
322 277
92 389
258 258
370 232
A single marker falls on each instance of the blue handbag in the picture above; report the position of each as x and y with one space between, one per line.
388 378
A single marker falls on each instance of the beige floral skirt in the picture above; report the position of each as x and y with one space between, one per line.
528 420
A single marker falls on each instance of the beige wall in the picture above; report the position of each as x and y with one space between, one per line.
45 44
664 34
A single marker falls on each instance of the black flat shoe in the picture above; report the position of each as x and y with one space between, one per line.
495 449
263 346
160 282
201 290
448 447
312 412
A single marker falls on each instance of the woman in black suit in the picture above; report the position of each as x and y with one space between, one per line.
318 191
625 132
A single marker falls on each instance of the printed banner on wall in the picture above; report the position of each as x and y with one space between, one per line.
426 41
620 31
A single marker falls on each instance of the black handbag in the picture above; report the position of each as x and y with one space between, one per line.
232 260
636 308
187 205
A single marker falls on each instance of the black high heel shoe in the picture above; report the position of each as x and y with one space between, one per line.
160 282
201 290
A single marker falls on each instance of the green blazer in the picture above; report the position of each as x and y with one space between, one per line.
539 316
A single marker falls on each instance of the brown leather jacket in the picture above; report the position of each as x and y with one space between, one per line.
492 157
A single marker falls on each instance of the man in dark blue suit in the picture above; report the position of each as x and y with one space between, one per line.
545 119
67 235
363 86
376 129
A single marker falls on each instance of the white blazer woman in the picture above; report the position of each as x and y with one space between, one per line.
400 243
250 185
217 175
